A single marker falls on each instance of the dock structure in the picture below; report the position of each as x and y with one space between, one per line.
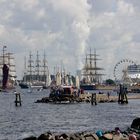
122 98
93 99
18 99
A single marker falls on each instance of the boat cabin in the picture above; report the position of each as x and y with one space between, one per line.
67 90
63 93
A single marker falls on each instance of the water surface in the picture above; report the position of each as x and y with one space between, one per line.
35 118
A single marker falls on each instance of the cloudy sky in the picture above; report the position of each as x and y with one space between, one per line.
66 29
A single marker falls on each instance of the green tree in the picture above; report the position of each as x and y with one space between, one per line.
110 82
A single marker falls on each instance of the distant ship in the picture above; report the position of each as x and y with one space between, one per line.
90 72
7 70
36 73
23 85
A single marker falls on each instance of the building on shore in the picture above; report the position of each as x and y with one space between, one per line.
134 72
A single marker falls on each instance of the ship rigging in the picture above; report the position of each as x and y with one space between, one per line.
90 72
36 72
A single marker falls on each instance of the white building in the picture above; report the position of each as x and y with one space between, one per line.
134 72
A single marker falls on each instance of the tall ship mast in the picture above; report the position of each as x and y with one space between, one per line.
25 71
90 72
45 72
8 59
28 72
12 70
38 73
30 68
38 66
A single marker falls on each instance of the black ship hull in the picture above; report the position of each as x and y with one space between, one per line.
87 87
23 85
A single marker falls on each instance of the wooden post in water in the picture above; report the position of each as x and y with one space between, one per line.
125 96
18 99
122 98
93 99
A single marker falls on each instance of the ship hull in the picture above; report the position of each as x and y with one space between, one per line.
88 87
23 85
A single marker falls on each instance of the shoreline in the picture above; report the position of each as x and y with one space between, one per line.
129 97
87 97
104 97
116 134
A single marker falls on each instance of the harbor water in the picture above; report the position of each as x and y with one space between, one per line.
33 118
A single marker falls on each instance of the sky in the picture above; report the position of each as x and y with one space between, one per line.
67 29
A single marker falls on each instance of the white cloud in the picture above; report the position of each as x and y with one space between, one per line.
66 30
113 32
125 8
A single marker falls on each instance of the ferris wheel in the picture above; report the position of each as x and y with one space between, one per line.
121 71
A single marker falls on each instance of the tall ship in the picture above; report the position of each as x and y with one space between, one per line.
91 73
36 72
7 69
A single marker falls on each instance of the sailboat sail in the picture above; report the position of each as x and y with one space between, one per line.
58 79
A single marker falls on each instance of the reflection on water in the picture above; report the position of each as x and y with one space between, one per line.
35 118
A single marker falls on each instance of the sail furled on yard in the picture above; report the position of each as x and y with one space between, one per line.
58 79
5 71
77 82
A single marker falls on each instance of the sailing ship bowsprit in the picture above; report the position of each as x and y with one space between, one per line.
90 73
